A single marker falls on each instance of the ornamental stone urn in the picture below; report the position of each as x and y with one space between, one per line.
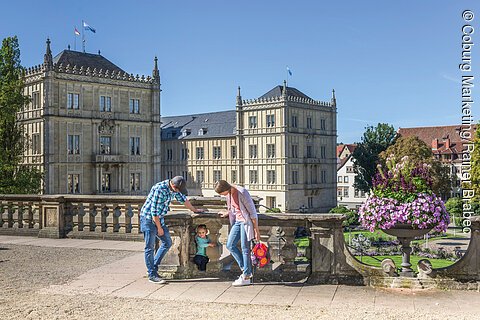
405 233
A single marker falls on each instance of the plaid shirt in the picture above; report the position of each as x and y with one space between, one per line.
159 199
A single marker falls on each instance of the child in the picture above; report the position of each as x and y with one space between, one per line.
202 241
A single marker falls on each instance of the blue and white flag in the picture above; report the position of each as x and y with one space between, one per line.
289 71
87 27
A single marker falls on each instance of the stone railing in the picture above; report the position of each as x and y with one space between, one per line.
328 258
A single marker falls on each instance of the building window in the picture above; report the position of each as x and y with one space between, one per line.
313 175
134 145
309 152
202 131
184 154
309 123
294 122
271 178
36 100
217 154
234 176
339 179
252 122
323 124
217 175
169 154
73 183
345 192
339 192
200 177
134 181
294 151
310 202
295 177
105 145
105 104
35 143
233 151
345 179
73 144
253 151
253 176
106 180
134 106
349 169
270 150
323 152
271 202
199 153
356 193
72 101
270 120
323 176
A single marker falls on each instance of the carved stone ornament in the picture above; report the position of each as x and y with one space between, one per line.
107 126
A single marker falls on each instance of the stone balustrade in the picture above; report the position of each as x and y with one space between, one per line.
328 258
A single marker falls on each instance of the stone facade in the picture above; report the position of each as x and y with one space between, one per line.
281 147
95 129
92 127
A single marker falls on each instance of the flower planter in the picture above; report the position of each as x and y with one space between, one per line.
405 233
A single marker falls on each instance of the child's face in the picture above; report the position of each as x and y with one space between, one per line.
202 233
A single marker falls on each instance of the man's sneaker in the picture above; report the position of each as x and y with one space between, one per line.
157 280
241 281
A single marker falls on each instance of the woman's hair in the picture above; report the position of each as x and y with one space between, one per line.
222 186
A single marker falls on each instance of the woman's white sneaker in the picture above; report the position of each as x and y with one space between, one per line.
241 281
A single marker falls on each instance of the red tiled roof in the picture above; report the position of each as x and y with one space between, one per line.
441 133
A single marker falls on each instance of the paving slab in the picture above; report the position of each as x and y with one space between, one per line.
170 290
355 295
204 291
277 294
319 295
140 288
17 240
241 295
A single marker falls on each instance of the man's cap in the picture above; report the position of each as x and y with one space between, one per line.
180 183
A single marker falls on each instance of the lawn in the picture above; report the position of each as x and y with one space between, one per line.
436 263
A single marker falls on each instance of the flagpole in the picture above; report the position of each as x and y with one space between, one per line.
83 37
75 39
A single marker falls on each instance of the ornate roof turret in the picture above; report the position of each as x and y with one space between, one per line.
334 100
284 89
47 58
239 97
155 72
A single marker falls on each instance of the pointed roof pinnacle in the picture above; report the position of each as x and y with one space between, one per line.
47 58
284 91
239 97
155 72
334 99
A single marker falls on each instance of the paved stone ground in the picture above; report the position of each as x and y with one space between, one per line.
76 279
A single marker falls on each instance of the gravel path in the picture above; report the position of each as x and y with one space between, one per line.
24 270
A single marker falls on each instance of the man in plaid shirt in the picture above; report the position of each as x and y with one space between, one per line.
152 222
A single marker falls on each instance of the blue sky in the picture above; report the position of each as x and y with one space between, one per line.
388 61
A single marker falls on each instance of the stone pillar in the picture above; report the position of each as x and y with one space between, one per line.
52 217
328 258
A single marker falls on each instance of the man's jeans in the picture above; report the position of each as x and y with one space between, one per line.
237 233
149 230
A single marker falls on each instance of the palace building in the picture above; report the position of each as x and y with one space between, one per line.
95 129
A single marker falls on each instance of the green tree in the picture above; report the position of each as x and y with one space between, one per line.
366 154
351 215
14 177
419 152
454 207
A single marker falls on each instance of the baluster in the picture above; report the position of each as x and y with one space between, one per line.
36 216
116 219
28 214
106 219
135 221
289 250
121 217
92 218
16 217
128 218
